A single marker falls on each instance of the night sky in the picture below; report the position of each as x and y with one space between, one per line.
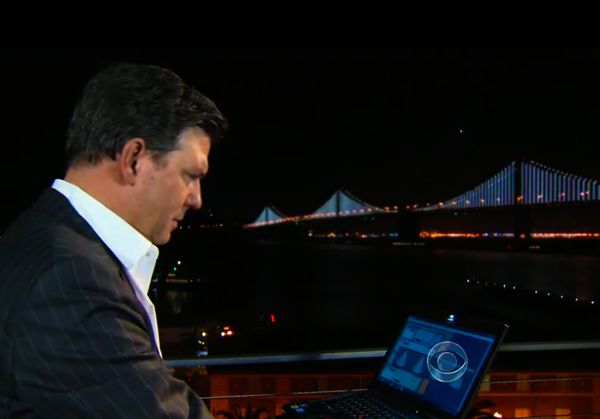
383 123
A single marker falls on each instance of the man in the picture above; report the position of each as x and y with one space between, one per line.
78 334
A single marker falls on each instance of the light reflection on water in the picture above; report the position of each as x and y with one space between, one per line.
357 288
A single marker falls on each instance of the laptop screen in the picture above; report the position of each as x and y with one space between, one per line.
437 363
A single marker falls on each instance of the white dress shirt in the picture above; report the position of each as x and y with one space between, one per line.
137 254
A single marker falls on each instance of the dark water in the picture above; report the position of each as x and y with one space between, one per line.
352 297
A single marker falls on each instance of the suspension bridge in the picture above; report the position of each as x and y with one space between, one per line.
522 183
525 183
341 204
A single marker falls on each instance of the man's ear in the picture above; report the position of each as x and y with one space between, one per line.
128 161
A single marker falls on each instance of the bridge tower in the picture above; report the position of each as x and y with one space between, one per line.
337 224
522 226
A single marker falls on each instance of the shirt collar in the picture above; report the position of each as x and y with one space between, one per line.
128 245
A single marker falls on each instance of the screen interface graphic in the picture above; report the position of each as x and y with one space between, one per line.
437 363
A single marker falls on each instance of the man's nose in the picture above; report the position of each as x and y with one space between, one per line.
194 199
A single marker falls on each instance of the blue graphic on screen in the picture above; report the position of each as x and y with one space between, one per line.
436 363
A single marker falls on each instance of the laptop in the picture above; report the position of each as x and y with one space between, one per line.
434 369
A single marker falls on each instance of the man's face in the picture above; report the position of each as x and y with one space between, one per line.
168 189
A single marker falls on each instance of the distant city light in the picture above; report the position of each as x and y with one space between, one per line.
433 235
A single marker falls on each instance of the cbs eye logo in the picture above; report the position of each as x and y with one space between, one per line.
447 362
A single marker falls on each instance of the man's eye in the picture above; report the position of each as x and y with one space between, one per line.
195 177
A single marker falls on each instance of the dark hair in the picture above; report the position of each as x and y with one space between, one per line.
127 101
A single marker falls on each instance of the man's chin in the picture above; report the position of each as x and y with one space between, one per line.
162 239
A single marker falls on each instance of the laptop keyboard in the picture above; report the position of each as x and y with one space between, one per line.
361 406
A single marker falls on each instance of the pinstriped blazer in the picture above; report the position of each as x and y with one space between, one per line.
74 340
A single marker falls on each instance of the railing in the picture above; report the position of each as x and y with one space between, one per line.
564 394
361 354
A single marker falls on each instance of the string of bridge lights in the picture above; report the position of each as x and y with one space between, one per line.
538 292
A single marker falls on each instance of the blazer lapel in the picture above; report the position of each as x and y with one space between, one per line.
56 205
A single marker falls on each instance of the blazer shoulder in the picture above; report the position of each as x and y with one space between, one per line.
36 243
37 238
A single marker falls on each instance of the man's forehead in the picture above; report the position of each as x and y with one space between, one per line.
194 148
195 138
